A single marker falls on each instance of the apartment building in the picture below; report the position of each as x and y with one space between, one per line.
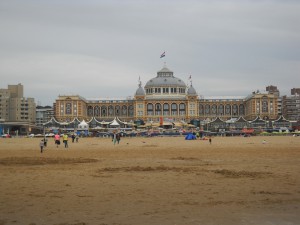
17 113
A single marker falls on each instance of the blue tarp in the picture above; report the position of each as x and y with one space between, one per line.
190 136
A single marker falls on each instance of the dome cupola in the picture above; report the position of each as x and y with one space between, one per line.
140 91
165 85
191 90
165 78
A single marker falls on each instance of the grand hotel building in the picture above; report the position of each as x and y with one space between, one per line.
165 99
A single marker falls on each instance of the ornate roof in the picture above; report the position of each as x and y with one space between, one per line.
241 120
281 119
165 78
140 91
191 91
217 120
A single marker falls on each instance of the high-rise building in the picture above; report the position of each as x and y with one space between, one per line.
291 105
273 90
295 91
16 111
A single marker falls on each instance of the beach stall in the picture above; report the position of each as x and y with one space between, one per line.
83 128
114 124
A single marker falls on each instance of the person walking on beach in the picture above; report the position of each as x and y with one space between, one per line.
118 137
73 138
42 145
209 139
45 141
65 140
114 137
57 139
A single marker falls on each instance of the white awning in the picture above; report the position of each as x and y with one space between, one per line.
115 123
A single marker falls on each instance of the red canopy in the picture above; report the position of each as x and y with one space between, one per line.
248 131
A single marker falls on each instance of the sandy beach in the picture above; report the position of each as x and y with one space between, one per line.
160 180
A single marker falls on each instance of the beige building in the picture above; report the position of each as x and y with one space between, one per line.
264 105
16 111
167 99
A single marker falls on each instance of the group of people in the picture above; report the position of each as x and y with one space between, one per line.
57 137
116 137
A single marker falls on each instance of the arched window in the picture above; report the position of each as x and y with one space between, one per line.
201 110
242 109
130 110
214 109
110 111
182 109
124 110
150 109
174 109
234 110
68 108
157 109
166 109
97 111
117 111
104 111
227 109
207 109
221 110
90 111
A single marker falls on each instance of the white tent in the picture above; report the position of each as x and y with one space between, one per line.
83 126
114 123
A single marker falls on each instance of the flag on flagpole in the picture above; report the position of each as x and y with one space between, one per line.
163 55
190 77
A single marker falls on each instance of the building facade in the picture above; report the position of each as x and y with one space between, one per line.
295 91
167 99
43 115
17 113
291 107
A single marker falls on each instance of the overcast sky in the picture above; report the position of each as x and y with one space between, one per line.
99 49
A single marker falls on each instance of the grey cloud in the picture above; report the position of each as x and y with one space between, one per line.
229 47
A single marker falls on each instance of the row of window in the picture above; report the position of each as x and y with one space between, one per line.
165 90
203 109
165 107
159 113
222 109
110 111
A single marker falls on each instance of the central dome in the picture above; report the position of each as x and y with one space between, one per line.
165 78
